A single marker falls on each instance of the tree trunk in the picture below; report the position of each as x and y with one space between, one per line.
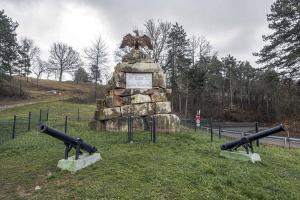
187 95
231 93
96 84
60 73
268 112
60 76
37 81
20 86
179 99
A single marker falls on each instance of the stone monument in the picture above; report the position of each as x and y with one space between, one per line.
137 88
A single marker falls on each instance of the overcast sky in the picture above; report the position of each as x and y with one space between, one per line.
232 26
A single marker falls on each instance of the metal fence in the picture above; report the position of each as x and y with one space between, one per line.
239 129
20 124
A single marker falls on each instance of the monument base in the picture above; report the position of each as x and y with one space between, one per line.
241 155
73 165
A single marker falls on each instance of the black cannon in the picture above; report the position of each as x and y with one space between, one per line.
246 141
69 141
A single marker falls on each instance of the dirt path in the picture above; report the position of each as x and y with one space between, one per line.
5 107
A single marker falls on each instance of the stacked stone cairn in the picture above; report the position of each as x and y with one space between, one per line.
120 101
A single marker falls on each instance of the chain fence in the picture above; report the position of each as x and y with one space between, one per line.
21 124
70 121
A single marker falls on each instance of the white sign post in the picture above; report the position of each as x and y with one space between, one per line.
138 80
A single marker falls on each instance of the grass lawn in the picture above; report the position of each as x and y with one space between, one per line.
56 109
180 166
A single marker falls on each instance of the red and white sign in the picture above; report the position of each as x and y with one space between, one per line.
198 120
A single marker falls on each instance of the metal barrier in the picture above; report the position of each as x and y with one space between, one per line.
20 124
220 129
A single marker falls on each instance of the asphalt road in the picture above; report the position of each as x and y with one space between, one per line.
275 141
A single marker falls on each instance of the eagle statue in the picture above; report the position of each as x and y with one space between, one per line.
136 41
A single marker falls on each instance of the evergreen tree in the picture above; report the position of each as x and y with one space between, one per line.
8 44
283 49
81 75
28 55
230 69
177 61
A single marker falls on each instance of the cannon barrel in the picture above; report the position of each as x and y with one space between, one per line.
74 142
252 137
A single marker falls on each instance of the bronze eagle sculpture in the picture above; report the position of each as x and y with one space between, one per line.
136 41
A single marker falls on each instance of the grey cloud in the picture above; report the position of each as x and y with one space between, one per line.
213 19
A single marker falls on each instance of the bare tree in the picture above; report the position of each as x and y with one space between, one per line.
204 48
96 55
194 43
119 53
158 33
39 68
64 58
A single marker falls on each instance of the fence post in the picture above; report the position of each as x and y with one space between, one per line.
288 139
284 142
78 114
154 129
128 131
211 130
131 127
47 116
14 127
29 121
219 130
40 118
66 124
256 131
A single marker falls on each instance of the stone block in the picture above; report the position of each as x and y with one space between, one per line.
241 156
126 110
138 67
121 124
158 97
151 108
100 104
118 80
113 101
167 123
121 92
168 92
110 113
139 91
97 114
112 125
73 165
140 98
97 125
142 109
163 107
126 100
159 79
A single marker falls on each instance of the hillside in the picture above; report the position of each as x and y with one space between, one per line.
47 90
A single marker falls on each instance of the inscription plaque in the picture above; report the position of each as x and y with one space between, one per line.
138 80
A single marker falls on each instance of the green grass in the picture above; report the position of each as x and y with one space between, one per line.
180 166
56 109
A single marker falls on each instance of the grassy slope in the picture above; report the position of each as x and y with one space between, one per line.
67 89
180 166
56 109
